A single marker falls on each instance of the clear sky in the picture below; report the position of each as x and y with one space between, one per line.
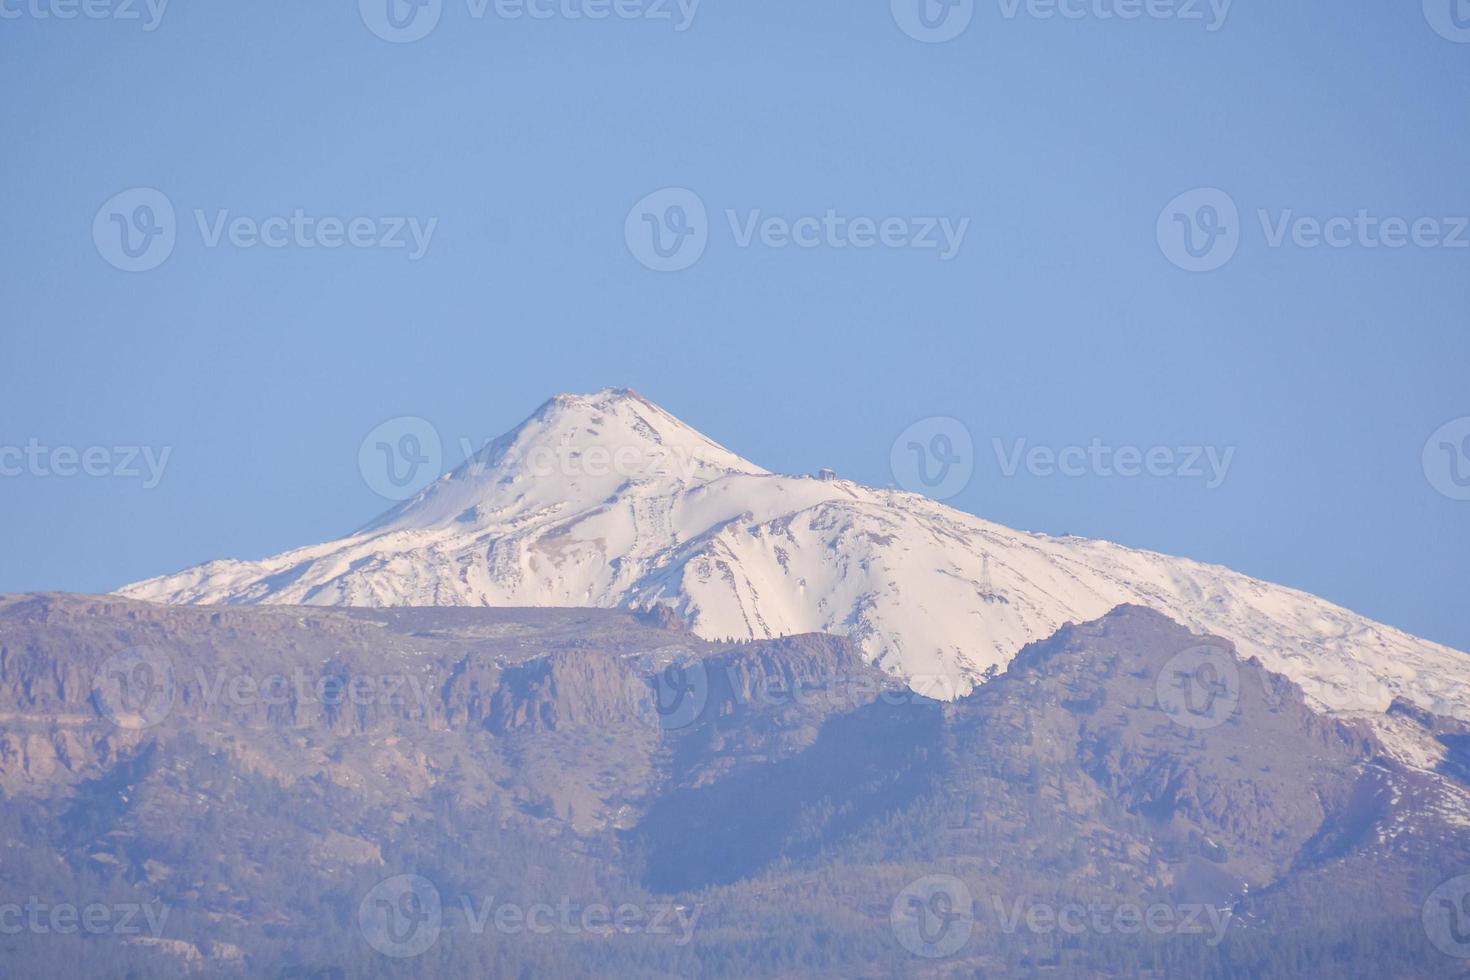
1066 313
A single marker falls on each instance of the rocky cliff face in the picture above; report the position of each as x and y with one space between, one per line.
258 770
1229 768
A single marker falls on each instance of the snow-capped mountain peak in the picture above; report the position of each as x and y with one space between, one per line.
574 452
607 500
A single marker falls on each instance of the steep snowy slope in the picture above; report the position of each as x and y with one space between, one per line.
607 500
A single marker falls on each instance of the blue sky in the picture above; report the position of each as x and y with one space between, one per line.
519 147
